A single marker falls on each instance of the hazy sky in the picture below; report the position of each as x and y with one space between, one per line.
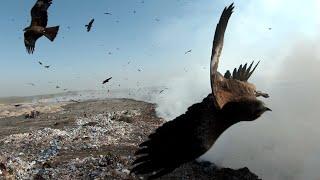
153 39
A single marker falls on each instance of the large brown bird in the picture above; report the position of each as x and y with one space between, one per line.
38 26
192 134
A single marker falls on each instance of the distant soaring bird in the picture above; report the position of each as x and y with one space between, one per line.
89 25
38 26
107 80
31 84
189 51
192 134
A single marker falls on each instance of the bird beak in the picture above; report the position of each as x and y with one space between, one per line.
267 109
259 93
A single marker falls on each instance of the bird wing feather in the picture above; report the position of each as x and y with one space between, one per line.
175 143
243 73
229 87
30 38
217 48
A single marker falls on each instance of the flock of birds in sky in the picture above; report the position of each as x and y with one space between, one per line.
233 99
38 28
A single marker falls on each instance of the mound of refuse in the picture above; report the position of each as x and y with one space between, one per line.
92 140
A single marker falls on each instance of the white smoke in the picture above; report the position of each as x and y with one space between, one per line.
180 93
282 144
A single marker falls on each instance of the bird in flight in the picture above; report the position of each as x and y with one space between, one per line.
107 80
107 13
89 25
47 67
189 51
193 133
38 26
162 90
31 84
40 62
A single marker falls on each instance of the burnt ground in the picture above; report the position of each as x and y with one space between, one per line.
89 140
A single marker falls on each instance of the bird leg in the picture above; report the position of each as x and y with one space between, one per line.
259 93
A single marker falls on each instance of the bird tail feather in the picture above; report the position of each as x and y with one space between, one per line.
51 32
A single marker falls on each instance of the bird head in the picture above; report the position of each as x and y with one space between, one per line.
244 110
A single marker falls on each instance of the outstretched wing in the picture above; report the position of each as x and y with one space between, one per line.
30 38
107 80
218 45
91 22
176 142
242 73
39 13
89 25
230 87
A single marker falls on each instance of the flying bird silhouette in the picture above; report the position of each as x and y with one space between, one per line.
31 84
163 90
47 67
192 134
40 62
38 26
89 25
188 51
107 80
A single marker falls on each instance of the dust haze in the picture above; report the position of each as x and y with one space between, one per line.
283 144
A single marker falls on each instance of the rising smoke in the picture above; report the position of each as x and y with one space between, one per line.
283 144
